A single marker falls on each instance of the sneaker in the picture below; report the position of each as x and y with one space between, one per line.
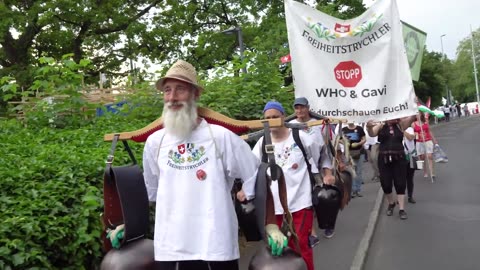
313 240
329 233
425 175
390 209
411 200
402 214
375 179
354 194
358 194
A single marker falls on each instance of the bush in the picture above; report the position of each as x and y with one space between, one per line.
51 193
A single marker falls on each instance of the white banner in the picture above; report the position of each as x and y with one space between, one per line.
355 69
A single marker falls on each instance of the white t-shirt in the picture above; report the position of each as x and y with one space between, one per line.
191 181
290 158
409 145
316 135
370 140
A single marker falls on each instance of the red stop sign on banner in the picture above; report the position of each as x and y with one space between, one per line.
348 73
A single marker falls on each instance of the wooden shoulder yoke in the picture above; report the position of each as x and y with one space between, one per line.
212 117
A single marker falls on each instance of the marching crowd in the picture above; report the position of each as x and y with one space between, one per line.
456 111
190 165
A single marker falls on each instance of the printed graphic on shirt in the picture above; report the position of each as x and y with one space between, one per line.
187 157
284 153
308 130
354 136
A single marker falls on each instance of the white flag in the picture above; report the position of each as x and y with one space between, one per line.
355 69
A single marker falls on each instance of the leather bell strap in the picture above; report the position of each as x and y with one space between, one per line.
264 204
269 150
121 183
111 156
296 138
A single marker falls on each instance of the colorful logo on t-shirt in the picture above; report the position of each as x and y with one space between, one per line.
354 136
281 157
188 154
308 130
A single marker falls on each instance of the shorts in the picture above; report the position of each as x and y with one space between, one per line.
424 147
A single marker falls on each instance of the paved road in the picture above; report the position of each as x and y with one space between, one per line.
442 231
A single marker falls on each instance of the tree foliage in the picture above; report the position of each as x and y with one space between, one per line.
110 33
88 29
343 9
432 80
461 79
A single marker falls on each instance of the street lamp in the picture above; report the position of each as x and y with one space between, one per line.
238 30
441 43
474 67
443 58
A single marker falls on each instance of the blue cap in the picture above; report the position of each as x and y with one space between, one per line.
274 105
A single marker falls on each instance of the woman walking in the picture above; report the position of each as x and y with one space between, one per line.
424 144
392 161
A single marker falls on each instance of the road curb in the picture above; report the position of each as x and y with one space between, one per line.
362 250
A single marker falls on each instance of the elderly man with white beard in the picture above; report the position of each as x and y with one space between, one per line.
189 169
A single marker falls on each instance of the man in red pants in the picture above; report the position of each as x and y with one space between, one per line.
299 190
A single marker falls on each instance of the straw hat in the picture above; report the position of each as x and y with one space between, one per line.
182 71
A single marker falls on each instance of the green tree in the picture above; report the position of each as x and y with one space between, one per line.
111 33
432 80
462 78
88 29
343 9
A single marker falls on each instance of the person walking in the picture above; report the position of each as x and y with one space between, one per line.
458 109
425 141
356 137
391 161
465 110
289 157
446 111
189 169
371 147
409 143
302 112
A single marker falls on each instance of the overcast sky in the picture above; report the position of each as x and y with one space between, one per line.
438 17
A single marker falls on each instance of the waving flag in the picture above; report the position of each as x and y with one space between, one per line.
414 40
285 59
355 69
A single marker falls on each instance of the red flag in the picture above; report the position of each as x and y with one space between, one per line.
285 59
181 148
427 115
342 28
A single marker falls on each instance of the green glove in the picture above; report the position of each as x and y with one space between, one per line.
276 240
116 236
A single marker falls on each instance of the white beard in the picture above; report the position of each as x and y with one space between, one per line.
182 122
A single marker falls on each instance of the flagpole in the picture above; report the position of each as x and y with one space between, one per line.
443 65
474 66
